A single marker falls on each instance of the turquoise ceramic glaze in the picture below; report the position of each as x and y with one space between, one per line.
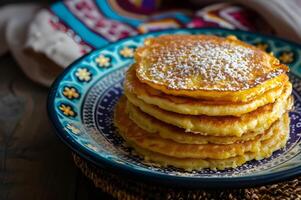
82 99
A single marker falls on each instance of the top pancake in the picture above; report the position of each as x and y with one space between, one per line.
207 67
192 106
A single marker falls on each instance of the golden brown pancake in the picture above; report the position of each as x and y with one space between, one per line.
186 156
134 134
213 164
255 121
201 101
208 67
191 106
167 131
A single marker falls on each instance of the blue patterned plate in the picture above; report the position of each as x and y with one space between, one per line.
82 99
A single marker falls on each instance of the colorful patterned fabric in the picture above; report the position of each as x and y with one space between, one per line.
95 23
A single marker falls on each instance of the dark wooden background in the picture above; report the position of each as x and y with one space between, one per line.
34 163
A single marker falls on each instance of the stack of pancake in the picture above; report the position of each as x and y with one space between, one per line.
198 101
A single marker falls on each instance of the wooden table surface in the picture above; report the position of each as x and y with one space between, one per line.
34 163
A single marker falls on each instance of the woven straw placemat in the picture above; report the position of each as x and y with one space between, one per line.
132 190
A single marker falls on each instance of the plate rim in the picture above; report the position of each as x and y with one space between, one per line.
203 182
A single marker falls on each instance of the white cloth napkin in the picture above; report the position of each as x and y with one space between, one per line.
22 26
283 15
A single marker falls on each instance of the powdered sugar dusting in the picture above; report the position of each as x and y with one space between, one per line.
193 64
